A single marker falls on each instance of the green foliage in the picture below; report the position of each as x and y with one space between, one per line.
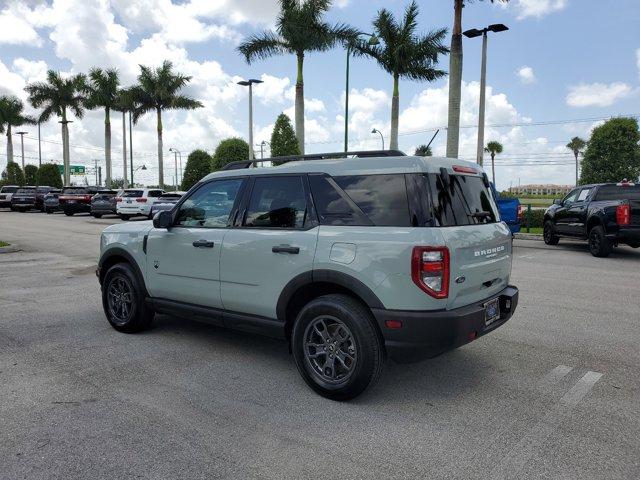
13 174
423 151
117 184
102 89
493 148
230 150
576 145
48 174
533 218
612 153
58 95
11 114
283 138
199 164
30 174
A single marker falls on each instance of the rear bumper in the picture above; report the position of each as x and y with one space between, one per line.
426 334
135 210
628 235
5 203
76 207
23 205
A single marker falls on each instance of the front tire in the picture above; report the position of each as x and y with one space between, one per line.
550 238
599 244
336 347
123 300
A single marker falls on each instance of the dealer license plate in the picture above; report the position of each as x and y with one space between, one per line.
491 311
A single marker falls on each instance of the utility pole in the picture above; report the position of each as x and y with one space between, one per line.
22 134
39 148
131 147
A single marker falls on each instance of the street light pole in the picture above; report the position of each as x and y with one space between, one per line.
175 159
249 83
474 32
39 148
131 147
373 40
375 130
22 134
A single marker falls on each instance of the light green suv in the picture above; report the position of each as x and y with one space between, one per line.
351 260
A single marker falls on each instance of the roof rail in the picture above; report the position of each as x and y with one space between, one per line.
314 156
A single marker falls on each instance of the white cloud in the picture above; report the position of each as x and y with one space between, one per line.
526 75
536 8
597 94
15 29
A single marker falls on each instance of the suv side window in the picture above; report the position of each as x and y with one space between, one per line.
210 205
333 205
382 198
277 202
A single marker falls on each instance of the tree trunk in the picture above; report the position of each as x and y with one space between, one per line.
493 168
9 145
107 146
455 83
160 167
395 111
65 149
124 147
299 108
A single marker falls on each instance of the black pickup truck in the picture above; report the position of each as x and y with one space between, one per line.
605 214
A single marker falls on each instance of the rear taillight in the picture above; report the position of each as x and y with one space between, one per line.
118 199
430 270
87 198
623 214
520 212
141 200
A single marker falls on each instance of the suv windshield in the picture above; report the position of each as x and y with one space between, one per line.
464 201
132 193
8 189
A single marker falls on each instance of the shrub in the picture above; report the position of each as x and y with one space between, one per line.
13 174
532 219
48 174
199 164
230 150
283 138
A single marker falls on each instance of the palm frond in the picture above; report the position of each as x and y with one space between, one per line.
263 46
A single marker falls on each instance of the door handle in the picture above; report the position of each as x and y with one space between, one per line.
202 244
285 249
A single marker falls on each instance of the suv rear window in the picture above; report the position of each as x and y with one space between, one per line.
466 200
74 191
615 192
26 191
133 193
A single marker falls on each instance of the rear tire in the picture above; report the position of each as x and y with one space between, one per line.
599 244
550 238
336 347
124 218
96 215
123 300
48 211
68 214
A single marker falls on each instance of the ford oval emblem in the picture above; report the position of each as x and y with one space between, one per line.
460 279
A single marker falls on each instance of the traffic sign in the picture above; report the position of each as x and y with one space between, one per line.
73 169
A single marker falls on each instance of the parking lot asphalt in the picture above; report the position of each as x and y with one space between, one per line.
554 393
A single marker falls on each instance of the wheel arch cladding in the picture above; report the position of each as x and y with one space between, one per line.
313 284
593 221
116 255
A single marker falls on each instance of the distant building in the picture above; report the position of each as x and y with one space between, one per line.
546 189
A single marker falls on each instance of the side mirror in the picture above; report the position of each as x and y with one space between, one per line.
557 201
162 219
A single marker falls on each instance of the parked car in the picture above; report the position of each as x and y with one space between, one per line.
510 210
76 199
606 215
104 202
29 198
350 260
137 202
50 201
166 202
6 193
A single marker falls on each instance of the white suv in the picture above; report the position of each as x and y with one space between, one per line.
6 193
137 201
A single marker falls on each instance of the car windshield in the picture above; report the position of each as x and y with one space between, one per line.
132 193
8 189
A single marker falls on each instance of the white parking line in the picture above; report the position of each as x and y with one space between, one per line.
555 375
580 389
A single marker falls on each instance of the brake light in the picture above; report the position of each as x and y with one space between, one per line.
520 212
118 199
430 270
623 214
463 169
141 200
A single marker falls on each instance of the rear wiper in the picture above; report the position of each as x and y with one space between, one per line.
481 214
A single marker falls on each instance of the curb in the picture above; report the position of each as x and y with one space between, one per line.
528 236
10 249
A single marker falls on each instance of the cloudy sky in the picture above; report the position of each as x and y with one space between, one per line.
563 66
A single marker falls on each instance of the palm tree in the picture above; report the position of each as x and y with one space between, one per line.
103 93
576 145
126 104
11 115
299 29
423 151
404 54
455 79
493 148
58 96
157 90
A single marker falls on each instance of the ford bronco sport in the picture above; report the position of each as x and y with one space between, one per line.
349 259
